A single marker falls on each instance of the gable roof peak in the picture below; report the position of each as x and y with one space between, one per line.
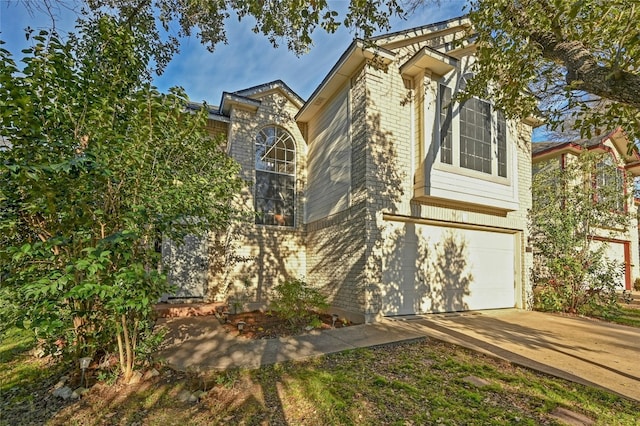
272 85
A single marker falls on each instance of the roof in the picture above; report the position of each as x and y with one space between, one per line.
245 98
214 111
340 73
539 148
273 85
426 31
618 138
380 48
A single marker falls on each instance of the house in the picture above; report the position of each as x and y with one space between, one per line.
380 189
621 244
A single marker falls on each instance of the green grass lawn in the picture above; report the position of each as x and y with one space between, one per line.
422 382
627 316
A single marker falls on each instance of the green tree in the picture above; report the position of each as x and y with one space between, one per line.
289 22
573 208
101 165
550 58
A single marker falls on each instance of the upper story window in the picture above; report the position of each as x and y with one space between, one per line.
609 184
275 177
472 134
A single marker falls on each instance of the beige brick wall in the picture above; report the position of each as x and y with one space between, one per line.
336 245
217 128
336 260
391 155
263 255
344 252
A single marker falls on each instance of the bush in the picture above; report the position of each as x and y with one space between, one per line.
295 301
636 284
585 291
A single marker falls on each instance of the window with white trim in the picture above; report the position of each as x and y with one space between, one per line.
473 134
610 184
275 177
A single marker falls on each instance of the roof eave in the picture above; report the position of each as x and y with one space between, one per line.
425 32
341 72
429 59
213 113
272 86
230 100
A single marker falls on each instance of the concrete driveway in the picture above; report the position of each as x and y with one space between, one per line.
586 351
582 350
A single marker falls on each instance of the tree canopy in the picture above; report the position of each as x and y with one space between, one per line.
288 22
101 167
550 58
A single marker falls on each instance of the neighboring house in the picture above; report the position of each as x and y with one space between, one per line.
379 189
621 244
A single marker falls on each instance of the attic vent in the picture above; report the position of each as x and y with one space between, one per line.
320 101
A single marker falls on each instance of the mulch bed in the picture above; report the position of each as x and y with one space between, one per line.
267 325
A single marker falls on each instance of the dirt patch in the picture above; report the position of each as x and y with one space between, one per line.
266 325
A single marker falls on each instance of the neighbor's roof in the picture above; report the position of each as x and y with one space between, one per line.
539 148
618 138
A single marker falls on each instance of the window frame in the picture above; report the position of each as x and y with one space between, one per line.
608 164
500 149
267 172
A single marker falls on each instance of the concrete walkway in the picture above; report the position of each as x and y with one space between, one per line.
585 351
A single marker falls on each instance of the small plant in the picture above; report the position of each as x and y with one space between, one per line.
238 302
108 376
636 284
315 322
227 378
236 305
150 342
296 301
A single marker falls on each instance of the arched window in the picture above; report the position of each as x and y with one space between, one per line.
275 177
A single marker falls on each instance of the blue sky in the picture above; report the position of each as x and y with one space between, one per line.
247 60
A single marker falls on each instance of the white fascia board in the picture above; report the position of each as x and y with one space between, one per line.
428 58
342 71
230 100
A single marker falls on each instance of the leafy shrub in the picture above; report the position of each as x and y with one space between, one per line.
636 284
582 290
296 301
571 270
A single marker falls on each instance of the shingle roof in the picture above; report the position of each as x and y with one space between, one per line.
540 147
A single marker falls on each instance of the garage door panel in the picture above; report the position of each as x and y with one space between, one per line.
446 269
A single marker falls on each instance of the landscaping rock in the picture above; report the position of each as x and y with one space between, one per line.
150 373
63 380
63 392
476 381
184 395
571 418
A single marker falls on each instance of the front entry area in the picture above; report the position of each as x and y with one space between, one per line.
431 269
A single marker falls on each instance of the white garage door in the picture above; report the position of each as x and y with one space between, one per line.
430 269
616 251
